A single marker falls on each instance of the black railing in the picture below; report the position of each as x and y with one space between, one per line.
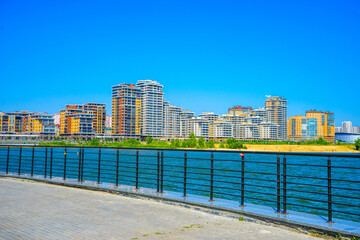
326 184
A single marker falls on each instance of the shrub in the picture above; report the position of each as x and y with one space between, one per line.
192 142
210 144
357 144
149 140
95 142
201 142
234 144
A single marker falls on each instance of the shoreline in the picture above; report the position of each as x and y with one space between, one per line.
301 148
253 148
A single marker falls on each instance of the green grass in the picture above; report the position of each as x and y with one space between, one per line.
188 143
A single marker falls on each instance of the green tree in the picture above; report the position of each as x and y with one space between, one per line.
185 144
201 142
357 144
95 142
149 140
210 144
192 142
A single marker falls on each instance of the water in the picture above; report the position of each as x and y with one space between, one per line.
260 174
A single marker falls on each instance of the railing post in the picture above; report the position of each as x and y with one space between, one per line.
20 161
65 151
46 153
51 162
329 190
242 201
32 161
137 169
79 169
82 165
162 172
278 185
117 167
7 160
212 178
98 181
284 186
158 172
185 170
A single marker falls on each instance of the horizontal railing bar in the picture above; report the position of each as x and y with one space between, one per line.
300 205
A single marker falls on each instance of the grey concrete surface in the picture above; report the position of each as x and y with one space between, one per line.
33 210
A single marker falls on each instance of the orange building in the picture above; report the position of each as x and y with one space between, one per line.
126 110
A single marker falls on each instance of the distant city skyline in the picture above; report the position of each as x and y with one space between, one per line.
209 56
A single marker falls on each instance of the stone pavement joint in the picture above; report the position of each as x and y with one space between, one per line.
33 210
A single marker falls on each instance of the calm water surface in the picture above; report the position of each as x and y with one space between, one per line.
260 183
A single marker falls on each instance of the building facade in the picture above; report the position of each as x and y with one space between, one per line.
126 110
312 126
152 108
277 113
83 119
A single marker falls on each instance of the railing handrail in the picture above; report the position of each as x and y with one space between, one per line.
325 154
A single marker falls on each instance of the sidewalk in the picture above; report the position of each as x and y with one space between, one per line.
33 210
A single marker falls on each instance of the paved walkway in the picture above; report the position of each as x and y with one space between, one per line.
32 210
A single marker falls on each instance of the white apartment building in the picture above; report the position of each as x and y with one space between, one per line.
174 121
221 128
199 126
166 113
152 107
347 127
185 123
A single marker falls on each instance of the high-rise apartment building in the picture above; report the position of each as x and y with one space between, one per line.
210 116
166 119
174 121
185 128
99 112
86 119
326 124
126 110
7 123
27 122
152 108
277 113
347 127
221 128
314 125
42 124
238 110
199 126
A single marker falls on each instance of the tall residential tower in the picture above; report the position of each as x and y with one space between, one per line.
152 108
277 113
126 110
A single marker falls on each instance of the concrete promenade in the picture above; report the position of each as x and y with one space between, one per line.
33 210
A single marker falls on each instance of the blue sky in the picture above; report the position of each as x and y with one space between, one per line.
209 55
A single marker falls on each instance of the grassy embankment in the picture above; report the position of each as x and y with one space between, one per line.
280 146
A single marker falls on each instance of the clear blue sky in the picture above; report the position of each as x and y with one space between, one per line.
209 55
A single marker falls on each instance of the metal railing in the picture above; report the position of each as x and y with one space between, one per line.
324 184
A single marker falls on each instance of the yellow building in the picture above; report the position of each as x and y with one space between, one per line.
7 123
75 120
312 126
40 123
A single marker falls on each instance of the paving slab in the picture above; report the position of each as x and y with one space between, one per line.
34 210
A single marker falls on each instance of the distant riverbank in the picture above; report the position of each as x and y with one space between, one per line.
302 148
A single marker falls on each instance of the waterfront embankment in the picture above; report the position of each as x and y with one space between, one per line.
33 210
